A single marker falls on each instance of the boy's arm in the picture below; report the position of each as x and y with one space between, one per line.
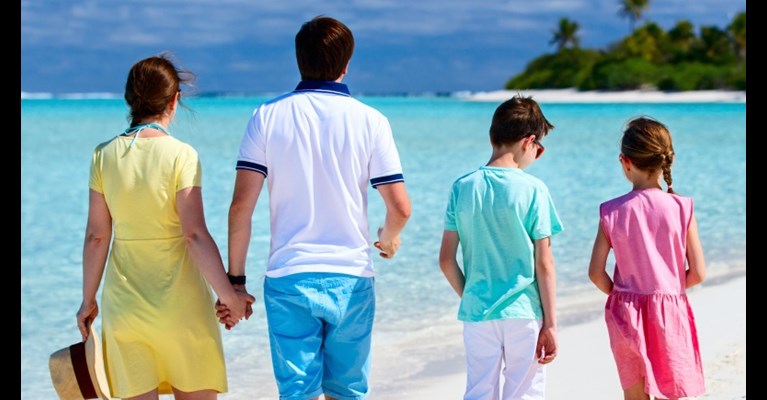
398 210
546 350
697 265
599 253
448 262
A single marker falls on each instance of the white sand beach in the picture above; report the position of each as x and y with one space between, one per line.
584 368
629 96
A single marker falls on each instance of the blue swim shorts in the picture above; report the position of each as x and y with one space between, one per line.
320 327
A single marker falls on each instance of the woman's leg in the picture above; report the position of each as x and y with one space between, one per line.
152 395
208 394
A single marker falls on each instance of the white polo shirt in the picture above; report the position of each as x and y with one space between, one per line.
319 149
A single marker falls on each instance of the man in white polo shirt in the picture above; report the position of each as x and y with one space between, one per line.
318 149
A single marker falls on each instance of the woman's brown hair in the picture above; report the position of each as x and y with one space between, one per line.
152 83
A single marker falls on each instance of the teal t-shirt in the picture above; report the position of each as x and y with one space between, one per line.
499 213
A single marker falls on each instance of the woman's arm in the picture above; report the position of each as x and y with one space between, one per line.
204 251
98 234
599 254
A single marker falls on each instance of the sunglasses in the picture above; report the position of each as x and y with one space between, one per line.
540 147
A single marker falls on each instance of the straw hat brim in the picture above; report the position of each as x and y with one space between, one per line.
77 371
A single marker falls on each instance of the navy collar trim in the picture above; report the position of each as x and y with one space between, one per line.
323 86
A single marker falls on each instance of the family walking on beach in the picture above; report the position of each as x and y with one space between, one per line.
318 149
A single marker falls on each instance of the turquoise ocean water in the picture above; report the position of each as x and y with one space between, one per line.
439 139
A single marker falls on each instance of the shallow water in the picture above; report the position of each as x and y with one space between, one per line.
439 139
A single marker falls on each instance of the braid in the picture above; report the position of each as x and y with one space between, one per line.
668 158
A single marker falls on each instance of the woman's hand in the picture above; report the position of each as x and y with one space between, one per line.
230 312
85 317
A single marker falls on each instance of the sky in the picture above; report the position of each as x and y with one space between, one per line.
246 46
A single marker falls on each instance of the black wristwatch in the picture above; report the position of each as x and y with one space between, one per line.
236 280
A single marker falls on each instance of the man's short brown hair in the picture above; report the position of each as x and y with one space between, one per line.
324 47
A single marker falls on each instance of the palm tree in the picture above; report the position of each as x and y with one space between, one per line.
633 9
566 33
737 30
681 40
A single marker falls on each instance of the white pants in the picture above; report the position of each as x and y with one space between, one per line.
504 342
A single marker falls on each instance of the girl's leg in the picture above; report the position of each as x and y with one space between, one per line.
636 392
196 395
152 395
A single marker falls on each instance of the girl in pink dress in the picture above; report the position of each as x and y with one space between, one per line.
658 255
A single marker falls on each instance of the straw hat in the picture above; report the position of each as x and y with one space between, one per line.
77 371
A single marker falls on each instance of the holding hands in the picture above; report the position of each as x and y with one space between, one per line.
230 311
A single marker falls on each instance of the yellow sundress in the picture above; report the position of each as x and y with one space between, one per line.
159 327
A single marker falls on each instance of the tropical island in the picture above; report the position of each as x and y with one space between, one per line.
649 58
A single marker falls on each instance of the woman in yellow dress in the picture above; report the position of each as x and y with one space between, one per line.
160 333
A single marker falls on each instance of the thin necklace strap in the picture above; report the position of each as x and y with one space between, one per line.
138 128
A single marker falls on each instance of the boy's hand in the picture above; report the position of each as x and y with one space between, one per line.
546 349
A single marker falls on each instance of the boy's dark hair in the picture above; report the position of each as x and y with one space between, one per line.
517 118
324 47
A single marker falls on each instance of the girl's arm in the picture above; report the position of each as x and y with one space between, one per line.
98 234
545 275
599 253
205 254
697 265
448 262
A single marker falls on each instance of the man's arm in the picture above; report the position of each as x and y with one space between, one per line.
247 188
398 210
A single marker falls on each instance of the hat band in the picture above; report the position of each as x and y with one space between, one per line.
80 363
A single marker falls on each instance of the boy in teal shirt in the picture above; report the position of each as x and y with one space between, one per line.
503 219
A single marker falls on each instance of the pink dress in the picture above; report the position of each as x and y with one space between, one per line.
649 319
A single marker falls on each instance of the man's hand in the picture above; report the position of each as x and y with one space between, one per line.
224 314
387 244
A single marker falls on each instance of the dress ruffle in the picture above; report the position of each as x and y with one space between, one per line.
654 336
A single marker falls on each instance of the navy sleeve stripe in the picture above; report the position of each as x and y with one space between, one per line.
387 179
252 167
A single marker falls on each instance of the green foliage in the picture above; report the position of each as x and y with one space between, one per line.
647 42
695 76
564 69
737 29
648 57
628 74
